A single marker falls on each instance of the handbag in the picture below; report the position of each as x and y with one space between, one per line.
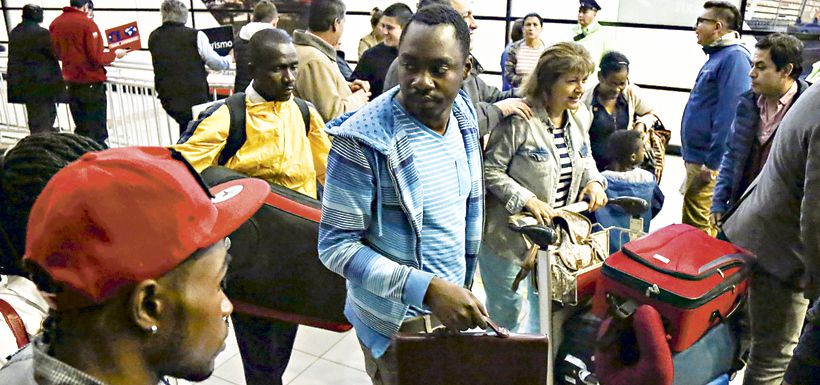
655 141
448 358
576 259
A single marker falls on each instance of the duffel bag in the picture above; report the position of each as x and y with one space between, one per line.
275 271
693 280
574 364
707 359
622 360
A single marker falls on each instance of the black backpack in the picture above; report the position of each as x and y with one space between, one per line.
237 134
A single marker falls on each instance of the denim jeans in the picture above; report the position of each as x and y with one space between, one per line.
503 304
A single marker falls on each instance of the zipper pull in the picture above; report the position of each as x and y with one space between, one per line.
654 289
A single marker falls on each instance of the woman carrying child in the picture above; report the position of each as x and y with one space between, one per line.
615 105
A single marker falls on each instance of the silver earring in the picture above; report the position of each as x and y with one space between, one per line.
153 329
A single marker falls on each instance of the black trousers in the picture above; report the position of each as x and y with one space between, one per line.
805 365
41 116
182 117
265 345
88 108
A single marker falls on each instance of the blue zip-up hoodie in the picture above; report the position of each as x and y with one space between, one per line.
372 216
712 103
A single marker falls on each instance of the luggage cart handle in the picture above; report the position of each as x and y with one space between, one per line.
634 206
541 235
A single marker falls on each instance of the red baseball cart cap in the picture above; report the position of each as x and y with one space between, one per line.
117 217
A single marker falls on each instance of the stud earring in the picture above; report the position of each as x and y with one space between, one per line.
153 329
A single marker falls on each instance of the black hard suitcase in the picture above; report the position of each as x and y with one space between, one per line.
275 271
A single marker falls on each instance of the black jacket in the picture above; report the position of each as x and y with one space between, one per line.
33 74
373 66
179 72
243 72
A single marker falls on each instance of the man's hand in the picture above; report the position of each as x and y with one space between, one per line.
715 218
366 93
120 53
541 211
514 106
705 176
359 84
597 196
456 307
640 127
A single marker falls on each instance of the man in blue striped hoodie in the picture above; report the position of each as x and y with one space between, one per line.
403 206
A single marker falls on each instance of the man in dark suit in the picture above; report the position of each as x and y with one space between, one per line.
34 77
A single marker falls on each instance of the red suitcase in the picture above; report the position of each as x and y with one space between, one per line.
692 279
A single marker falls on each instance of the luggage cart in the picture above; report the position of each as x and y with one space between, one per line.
544 238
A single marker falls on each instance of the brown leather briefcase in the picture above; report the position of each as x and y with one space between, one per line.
442 358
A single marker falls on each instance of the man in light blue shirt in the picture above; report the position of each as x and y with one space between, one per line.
403 207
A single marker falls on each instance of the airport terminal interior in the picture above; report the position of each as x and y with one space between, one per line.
657 36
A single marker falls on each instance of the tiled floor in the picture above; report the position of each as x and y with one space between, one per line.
324 358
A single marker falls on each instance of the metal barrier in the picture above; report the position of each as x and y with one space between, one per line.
135 115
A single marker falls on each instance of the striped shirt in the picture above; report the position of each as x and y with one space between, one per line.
527 58
441 162
565 162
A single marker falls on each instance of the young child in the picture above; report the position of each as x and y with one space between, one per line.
626 178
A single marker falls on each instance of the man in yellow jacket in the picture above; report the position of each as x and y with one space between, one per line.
278 147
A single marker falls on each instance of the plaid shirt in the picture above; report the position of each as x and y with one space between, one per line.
33 366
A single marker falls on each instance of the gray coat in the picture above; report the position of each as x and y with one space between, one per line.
482 94
779 220
520 162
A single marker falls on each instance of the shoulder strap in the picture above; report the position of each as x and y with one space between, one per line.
15 323
303 108
236 133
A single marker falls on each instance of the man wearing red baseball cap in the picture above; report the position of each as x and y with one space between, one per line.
129 248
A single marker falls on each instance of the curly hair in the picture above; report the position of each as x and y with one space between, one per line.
442 15
623 144
612 62
26 169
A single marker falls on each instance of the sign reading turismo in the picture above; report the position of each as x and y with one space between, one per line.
221 39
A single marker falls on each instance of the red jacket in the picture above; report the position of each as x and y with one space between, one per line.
78 43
